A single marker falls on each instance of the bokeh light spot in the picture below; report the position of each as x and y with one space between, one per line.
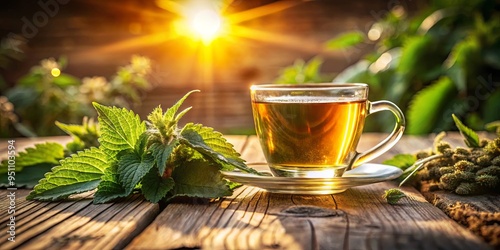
55 72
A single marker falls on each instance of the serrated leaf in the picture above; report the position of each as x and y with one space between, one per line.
162 153
425 107
110 188
199 179
120 129
32 164
46 153
471 138
132 167
213 145
29 177
213 139
402 161
345 40
170 113
155 187
77 174
141 144
80 131
71 129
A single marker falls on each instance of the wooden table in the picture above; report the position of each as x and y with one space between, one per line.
250 219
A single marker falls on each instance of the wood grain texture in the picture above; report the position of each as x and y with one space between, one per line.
77 224
356 219
251 219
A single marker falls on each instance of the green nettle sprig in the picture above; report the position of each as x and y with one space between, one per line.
34 162
464 171
154 157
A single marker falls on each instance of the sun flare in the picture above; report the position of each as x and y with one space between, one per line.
206 24
203 29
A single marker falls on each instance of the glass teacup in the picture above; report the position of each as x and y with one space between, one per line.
312 130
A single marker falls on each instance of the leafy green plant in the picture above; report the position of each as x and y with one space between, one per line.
302 72
439 62
444 59
154 157
46 94
34 162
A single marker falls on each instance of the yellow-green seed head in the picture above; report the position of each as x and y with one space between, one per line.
449 181
462 151
484 161
446 170
465 166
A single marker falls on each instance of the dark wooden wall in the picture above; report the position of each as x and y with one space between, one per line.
98 36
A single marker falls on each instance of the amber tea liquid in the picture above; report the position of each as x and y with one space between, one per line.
309 133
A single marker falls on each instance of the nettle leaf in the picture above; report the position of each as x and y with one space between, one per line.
120 129
199 178
425 107
132 167
77 174
155 187
213 139
214 146
110 188
28 177
162 153
471 138
170 113
402 161
87 130
46 153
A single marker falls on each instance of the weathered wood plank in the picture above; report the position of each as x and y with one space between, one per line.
356 219
78 224
479 213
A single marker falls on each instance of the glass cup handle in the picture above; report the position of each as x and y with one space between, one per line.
388 142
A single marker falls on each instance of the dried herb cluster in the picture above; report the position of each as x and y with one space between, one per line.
465 171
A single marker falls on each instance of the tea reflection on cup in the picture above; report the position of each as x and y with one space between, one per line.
313 130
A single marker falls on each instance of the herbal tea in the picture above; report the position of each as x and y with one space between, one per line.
309 132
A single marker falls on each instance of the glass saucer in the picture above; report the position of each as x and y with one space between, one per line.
364 174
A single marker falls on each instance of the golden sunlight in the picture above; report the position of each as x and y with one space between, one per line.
210 25
206 24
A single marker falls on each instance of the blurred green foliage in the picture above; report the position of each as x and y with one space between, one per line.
443 60
303 72
46 95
